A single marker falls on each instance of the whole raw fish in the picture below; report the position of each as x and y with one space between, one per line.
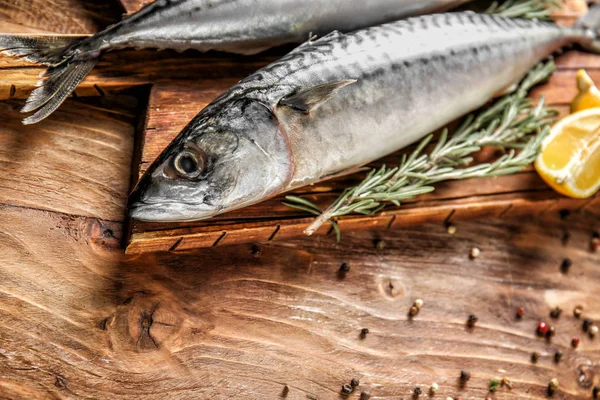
340 102
238 26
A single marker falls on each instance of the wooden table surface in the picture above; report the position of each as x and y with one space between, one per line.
79 319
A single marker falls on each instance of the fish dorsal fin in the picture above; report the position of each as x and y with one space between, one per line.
310 99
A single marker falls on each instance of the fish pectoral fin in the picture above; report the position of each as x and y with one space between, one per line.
310 99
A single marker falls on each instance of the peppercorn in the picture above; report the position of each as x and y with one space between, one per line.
555 313
434 388
344 268
451 229
566 265
542 329
564 214
472 321
354 382
552 386
380 244
586 324
593 331
347 389
596 392
465 376
286 391
494 384
417 392
413 311
520 312
577 311
418 303
256 252
506 382
364 332
575 342
535 356
475 252
557 356
365 396
551 332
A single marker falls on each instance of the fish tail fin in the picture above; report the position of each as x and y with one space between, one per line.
67 67
590 22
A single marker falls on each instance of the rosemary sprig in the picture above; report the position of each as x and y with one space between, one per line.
511 123
528 9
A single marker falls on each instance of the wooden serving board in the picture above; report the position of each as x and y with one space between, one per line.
173 104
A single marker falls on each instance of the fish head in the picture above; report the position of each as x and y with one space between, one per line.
228 157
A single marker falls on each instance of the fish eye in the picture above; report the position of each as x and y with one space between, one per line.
190 162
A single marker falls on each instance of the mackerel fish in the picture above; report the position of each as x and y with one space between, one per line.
339 102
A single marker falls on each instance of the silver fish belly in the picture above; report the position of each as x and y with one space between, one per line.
342 101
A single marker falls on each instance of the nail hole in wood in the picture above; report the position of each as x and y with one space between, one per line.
13 90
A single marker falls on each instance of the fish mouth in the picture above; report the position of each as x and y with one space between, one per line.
170 212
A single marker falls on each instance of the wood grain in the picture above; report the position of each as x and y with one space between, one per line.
55 165
57 16
78 319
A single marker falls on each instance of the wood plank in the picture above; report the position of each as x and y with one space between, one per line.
54 165
57 16
79 319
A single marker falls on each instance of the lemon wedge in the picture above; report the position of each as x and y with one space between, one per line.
570 157
589 95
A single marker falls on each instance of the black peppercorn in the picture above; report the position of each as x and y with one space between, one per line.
558 355
535 356
564 214
596 392
465 376
347 389
354 382
344 268
586 324
256 250
555 313
365 396
417 392
551 332
566 265
472 320
364 332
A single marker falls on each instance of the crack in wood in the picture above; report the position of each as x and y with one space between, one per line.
216 243
176 244
389 224
507 209
275 232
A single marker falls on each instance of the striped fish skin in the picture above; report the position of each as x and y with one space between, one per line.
238 26
250 26
411 78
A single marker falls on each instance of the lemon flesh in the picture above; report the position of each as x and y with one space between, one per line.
570 157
